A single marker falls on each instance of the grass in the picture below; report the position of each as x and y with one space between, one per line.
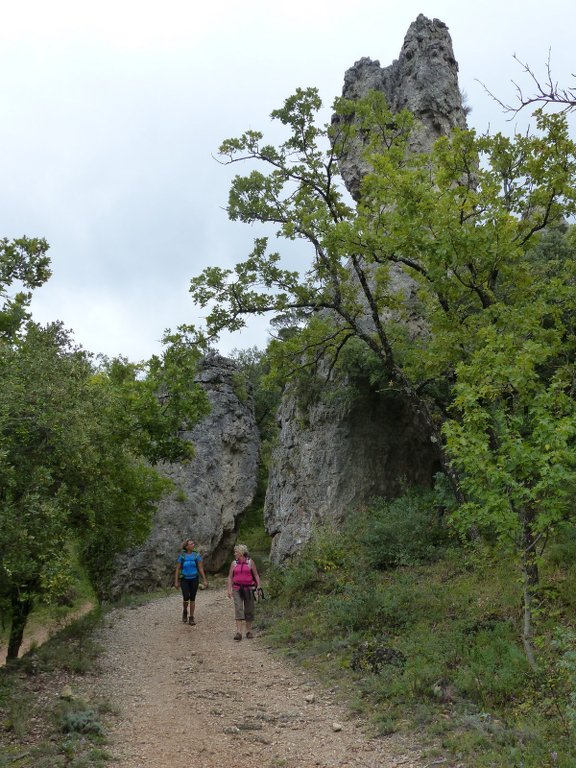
432 645
44 723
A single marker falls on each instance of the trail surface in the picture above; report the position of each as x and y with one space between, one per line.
192 696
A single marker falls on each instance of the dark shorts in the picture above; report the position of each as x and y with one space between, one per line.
243 604
189 588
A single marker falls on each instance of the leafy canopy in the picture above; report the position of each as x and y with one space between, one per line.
78 445
442 273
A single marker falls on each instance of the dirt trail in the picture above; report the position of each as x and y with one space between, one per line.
192 696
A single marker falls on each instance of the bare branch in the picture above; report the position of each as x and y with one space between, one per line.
544 93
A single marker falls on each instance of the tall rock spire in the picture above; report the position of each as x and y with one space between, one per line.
334 455
424 80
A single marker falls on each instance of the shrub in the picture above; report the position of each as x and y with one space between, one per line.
323 565
407 531
369 605
80 721
494 667
562 548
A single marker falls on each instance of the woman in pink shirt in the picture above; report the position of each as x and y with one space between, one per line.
243 580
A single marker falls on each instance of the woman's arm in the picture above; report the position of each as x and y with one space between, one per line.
201 571
229 580
255 573
177 574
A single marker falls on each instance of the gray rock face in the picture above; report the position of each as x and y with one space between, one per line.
330 460
213 489
424 80
333 459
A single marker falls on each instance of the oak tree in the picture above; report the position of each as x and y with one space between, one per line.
78 444
444 242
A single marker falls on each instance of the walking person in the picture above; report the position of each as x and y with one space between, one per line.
243 580
188 569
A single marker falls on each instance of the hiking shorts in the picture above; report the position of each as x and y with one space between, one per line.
189 588
243 604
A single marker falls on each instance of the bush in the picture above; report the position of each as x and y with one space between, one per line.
370 606
562 548
407 531
80 721
494 667
323 565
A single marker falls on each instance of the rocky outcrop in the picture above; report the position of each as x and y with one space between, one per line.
424 80
333 456
212 490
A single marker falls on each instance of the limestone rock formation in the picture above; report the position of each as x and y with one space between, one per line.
331 459
212 490
335 457
424 80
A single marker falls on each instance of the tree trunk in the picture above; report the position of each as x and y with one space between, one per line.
21 608
530 582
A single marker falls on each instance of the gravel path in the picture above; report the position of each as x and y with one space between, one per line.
192 696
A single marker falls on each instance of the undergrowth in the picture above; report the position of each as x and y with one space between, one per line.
44 722
423 634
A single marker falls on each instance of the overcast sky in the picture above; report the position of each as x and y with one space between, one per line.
111 112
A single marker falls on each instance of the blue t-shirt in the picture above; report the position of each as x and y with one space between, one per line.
188 564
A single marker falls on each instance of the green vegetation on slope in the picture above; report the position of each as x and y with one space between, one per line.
78 446
423 634
490 369
43 722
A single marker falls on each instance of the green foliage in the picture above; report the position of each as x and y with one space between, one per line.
432 645
477 226
79 719
405 531
252 533
494 667
78 445
323 566
254 378
22 261
564 643
240 387
369 605
562 546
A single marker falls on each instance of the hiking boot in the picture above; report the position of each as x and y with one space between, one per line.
191 621
237 636
249 635
184 616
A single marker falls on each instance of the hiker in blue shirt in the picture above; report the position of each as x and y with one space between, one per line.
188 566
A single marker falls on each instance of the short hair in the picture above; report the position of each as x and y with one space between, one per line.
242 548
186 542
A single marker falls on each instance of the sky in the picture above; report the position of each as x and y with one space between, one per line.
112 112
